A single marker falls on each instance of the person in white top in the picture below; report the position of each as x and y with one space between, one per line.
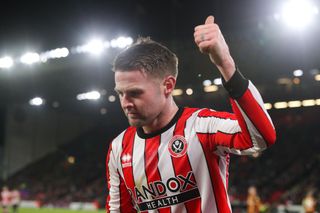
5 199
15 200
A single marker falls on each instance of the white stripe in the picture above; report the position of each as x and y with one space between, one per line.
223 166
165 165
138 164
199 167
113 166
257 140
258 98
213 125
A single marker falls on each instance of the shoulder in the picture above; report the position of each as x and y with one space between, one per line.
207 113
118 142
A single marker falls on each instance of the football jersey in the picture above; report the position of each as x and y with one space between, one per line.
183 167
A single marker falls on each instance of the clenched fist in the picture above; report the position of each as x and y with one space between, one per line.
210 40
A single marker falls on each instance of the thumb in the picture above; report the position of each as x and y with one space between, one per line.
209 20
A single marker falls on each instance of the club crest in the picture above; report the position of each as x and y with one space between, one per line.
177 146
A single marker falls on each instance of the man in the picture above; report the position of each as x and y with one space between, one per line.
253 200
5 199
175 159
15 200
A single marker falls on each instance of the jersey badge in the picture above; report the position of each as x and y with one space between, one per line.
177 146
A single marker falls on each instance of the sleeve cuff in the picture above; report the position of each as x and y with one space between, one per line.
237 84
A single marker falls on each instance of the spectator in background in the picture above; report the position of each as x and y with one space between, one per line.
253 200
15 200
309 203
5 199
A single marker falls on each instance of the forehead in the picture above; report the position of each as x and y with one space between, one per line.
132 79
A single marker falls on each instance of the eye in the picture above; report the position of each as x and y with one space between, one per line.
135 94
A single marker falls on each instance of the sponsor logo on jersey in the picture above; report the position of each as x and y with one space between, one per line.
177 146
154 196
126 160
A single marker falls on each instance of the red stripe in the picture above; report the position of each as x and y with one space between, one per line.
182 164
126 204
151 164
127 149
212 113
237 140
256 114
217 185
108 176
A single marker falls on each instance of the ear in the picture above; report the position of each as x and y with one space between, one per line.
169 84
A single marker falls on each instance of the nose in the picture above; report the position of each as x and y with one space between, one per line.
126 102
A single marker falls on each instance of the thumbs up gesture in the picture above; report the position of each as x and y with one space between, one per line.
210 40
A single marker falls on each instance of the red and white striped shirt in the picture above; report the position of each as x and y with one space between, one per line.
184 166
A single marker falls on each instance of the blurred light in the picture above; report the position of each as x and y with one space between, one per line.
189 91
121 42
206 83
37 101
55 104
217 81
318 101
317 77
103 111
298 13
177 92
309 102
298 73
93 95
280 105
296 81
6 62
112 98
293 104
95 47
268 106
284 81
71 160
30 58
56 53
211 88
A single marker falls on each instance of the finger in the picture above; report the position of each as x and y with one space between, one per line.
205 27
209 20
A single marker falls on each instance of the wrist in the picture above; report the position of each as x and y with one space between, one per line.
227 68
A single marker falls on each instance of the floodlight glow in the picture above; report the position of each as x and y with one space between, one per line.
37 101
121 42
6 62
317 77
298 73
112 98
95 47
294 104
268 106
299 13
309 102
177 92
206 83
217 81
211 88
56 53
280 105
189 91
30 58
93 95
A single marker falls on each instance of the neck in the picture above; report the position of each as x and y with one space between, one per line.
165 116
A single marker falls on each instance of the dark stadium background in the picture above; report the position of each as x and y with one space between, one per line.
39 144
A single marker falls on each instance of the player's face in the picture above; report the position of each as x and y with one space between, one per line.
141 96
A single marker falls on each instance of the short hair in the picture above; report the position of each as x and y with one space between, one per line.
148 56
